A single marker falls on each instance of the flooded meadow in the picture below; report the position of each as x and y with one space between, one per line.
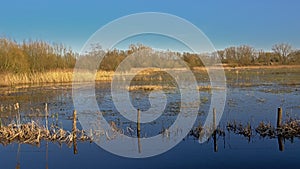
247 136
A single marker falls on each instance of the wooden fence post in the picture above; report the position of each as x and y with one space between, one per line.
279 123
279 117
139 129
74 132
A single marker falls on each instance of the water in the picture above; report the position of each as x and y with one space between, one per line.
244 104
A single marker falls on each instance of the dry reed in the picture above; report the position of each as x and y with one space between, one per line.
239 128
290 129
198 131
149 87
209 87
32 133
64 76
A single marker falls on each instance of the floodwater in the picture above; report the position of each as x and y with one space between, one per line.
251 104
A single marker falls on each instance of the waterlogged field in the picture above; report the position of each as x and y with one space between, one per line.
253 96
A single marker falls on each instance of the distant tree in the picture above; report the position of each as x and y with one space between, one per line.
34 56
282 51
12 58
221 55
192 60
231 55
295 57
39 56
245 55
112 59
265 58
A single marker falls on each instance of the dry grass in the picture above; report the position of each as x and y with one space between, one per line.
9 79
149 87
161 87
198 132
239 128
209 87
228 67
266 129
64 76
32 133
289 129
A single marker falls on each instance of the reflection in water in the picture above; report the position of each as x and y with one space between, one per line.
47 149
214 140
280 144
18 157
18 165
215 128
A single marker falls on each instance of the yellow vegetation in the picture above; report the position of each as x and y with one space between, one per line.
148 87
10 79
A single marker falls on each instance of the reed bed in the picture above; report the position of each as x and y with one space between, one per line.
32 133
239 128
64 76
209 87
289 129
149 87
164 87
204 88
197 131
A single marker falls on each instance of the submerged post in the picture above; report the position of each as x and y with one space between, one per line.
214 128
139 129
74 132
279 117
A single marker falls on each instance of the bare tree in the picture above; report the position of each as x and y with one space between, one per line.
221 55
245 55
295 57
231 55
282 50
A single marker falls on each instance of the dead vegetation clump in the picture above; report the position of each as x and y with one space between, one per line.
209 88
266 129
239 128
198 132
149 87
32 133
290 129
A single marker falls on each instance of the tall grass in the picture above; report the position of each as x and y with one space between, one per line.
65 76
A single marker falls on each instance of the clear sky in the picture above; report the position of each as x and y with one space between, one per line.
258 23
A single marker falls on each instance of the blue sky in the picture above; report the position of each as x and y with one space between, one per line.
258 23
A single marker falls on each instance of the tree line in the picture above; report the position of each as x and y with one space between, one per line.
244 55
34 56
39 56
281 54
